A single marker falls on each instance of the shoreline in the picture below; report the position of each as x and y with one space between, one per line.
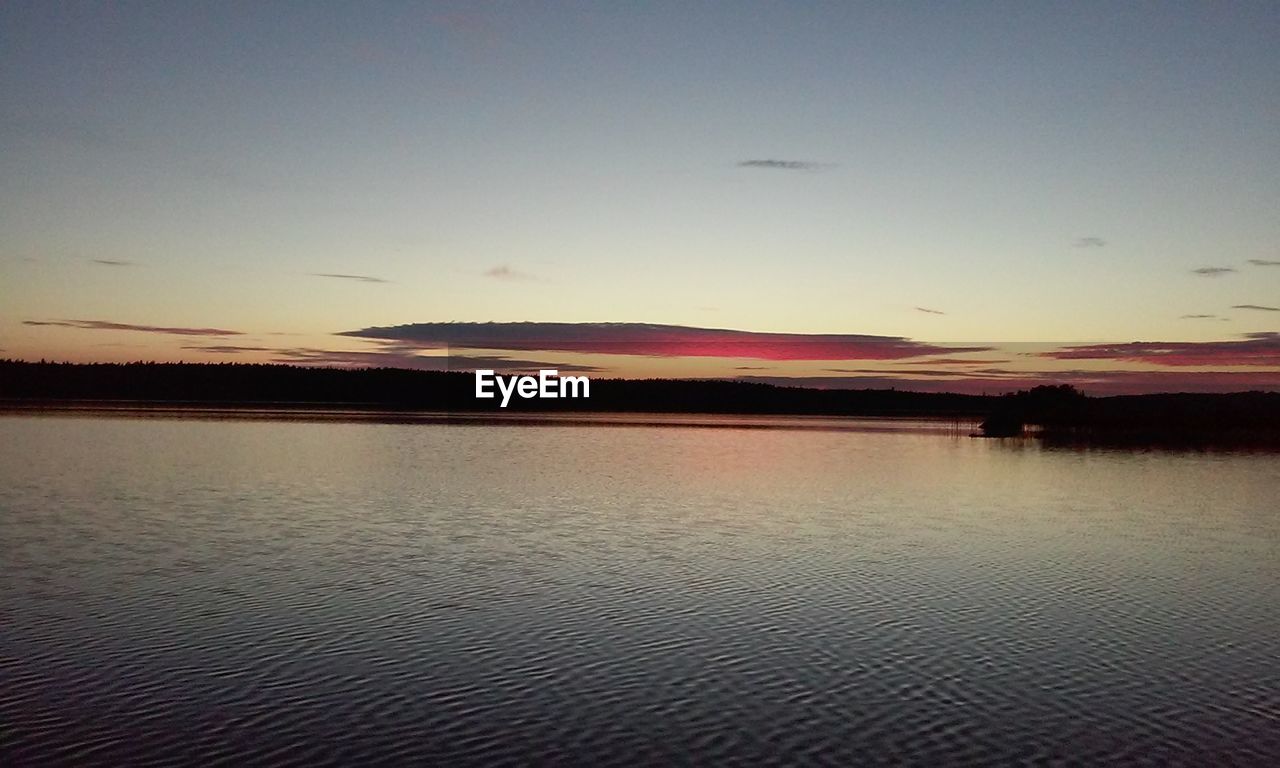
379 414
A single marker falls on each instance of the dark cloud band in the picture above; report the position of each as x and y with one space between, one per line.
784 165
358 278
654 340
1098 383
1255 349
103 325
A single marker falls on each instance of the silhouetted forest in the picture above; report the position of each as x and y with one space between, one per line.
1061 414
286 385
1055 413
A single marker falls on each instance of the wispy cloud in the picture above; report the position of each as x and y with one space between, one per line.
225 349
1093 382
1257 307
784 165
1255 349
504 364
1198 317
1089 242
954 361
397 356
1264 263
358 278
910 372
103 325
655 340
1213 271
504 272
113 263
930 311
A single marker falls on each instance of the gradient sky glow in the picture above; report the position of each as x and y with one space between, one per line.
961 174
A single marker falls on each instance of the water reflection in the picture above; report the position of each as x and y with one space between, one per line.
375 592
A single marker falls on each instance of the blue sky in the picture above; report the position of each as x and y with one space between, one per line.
1028 171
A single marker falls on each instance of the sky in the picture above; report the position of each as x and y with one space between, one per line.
963 196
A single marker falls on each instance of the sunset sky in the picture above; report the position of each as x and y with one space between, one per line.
962 196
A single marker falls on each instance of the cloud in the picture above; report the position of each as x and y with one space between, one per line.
954 361
1098 383
1264 263
1257 307
1255 349
987 373
113 263
397 356
654 340
1212 271
503 272
1089 242
930 311
784 165
1198 317
503 364
360 278
878 382
103 325
225 349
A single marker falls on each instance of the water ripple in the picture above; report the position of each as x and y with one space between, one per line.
312 594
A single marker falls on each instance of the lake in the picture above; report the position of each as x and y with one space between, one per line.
698 591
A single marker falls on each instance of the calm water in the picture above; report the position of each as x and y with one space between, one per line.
178 591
